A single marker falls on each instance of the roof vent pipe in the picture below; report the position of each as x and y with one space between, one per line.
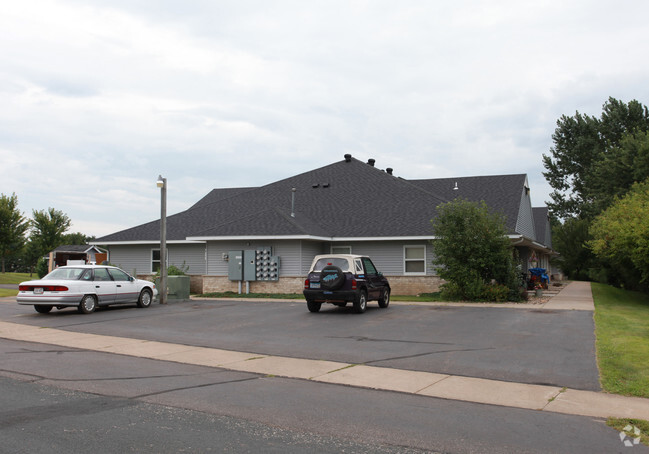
455 188
348 158
389 170
371 162
293 202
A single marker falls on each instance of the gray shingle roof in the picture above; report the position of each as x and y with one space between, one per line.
501 193
344 200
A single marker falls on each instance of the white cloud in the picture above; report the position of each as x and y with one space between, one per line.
98 98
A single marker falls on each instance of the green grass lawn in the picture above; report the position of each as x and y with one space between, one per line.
13 278
622 330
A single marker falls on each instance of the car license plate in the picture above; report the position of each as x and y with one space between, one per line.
38 290
315 284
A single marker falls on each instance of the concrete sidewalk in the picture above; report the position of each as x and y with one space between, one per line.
576 296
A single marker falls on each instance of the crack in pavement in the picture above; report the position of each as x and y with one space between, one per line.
205 385
370 339
417 355
42 377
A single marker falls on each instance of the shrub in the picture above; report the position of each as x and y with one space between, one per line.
472 250
42 267
496 292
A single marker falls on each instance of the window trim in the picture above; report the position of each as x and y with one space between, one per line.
151 262
406 260
331 249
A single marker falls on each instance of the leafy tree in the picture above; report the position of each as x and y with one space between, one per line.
570 240
76 238
621 167
584 146
621 237
48 227
12 227
472 250
31 254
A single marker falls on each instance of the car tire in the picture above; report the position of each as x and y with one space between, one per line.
88 304
41 309
384 300
313 306
360 303
145 298
331 277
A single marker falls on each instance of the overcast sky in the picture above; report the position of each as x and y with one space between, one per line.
97 98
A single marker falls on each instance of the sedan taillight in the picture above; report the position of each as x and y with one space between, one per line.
46 288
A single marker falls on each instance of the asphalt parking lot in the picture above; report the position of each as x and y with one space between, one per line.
526 345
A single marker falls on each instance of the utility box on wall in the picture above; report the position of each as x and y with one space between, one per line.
235 265
249 266
253 265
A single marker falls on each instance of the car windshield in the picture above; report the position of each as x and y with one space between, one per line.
343 264
66 274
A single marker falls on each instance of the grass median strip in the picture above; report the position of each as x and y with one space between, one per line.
622 330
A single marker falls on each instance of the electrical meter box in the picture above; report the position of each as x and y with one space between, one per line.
267 265
235 265
249 265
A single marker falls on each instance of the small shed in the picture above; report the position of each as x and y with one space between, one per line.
84 252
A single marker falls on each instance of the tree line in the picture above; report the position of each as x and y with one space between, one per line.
598 168
23 242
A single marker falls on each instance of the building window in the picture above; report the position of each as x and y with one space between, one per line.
341 249
155 260
414 259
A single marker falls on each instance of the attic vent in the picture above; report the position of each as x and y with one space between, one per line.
325 185
389 170
371 162
348 158
314 186
455 188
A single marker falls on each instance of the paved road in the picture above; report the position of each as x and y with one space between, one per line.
522 345
57 399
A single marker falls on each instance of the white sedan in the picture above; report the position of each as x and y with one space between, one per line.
85 287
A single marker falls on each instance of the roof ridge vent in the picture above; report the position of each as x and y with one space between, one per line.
348 158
